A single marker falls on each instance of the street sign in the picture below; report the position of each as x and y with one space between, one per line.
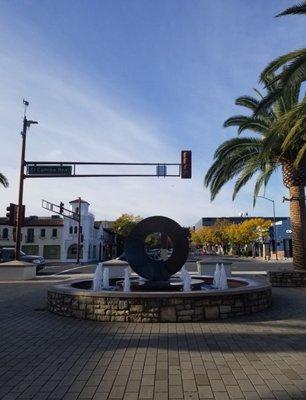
161 170
46 170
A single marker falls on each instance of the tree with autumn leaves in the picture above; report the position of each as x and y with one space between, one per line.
229 236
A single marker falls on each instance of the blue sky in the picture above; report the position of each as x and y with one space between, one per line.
134 81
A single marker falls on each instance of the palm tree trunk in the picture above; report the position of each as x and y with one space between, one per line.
298 221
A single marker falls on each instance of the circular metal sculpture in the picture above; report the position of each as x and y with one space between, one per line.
146 266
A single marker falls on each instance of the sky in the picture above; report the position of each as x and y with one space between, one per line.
134 81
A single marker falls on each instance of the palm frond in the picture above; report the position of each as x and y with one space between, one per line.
248 102
237 144
297 9
245 176
243 122
300 156
3 181
279 62
230 159
268 101
294 72
263 178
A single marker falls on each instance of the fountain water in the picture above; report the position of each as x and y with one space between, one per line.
223 279
220 278
216 277
98 278
105 278
186 279
127 282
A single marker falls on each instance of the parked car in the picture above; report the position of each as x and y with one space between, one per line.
8 254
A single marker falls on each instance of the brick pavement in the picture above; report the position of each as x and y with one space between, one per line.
45 356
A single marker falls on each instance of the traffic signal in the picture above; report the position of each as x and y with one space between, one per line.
12 213
61 207
186 164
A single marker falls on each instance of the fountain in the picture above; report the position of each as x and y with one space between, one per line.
156 250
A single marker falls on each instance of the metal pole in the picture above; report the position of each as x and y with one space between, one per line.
79 234
20 195
275 234
274 223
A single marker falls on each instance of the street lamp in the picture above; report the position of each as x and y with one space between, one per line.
274 223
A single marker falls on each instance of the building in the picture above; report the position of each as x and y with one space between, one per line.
284 238
210 221
266 248
55 237
40 236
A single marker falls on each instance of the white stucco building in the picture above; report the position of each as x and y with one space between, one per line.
55 238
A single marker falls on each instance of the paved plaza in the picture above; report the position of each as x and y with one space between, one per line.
46 356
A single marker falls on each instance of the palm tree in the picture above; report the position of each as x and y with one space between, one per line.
3 180
290 68
241 158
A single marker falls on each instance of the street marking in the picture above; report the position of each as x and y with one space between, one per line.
72 269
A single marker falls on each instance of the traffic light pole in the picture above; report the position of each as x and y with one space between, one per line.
26 124
20 195
58 170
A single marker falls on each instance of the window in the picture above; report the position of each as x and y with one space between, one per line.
71 230
52 252
32 250
5 233
54 232
30 235
43 233
81 229
75 229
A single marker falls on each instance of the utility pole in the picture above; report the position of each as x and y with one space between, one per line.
26 125
79 233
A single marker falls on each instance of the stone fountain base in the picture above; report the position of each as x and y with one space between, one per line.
245 296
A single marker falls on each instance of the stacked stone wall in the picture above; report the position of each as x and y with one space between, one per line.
166 309
287 278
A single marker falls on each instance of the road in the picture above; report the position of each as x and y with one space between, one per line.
239 266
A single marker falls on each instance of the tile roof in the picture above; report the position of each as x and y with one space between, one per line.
40 221
77 200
